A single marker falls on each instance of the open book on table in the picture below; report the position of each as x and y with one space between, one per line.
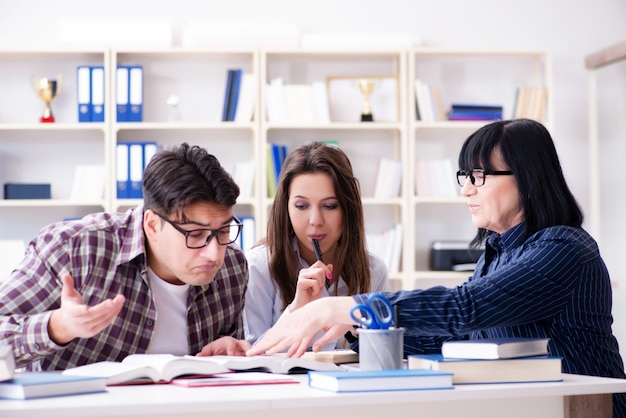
163 368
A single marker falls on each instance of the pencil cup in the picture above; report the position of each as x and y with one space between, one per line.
381 349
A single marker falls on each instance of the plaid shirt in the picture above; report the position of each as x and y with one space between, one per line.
105 254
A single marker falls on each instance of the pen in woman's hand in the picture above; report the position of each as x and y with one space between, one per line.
318 255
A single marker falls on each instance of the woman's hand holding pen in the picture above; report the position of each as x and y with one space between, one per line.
311 283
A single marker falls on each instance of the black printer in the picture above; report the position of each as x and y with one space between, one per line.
453 255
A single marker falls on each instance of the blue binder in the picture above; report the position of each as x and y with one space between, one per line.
135 93
227 94
97 93
234 94
83 92
121 94
122 170
135 156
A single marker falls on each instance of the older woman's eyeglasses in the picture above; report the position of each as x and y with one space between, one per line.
477 176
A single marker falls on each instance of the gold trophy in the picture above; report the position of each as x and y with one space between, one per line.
366 87
47 90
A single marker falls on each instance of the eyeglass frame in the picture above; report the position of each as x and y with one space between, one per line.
467 174
213 232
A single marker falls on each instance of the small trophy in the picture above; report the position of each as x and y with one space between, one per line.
366 88
47 90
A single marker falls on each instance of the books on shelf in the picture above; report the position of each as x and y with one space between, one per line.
521 369
132 159
90 88
29 385
163 368
530 102
135 93
495 348
475 112
247 99
388 178
244 174
428 103
247 237
435 178
297 103
276 154
275 101
231 94
387 245
380 380
235 379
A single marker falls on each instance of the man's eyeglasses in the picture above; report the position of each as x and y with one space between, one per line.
477 177
199 238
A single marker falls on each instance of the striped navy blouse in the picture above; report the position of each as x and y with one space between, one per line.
554 284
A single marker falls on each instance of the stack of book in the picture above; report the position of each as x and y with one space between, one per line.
493 361
475 112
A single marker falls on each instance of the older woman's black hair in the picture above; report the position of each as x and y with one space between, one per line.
529 152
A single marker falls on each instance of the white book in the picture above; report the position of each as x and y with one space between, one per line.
247 99
244 177
320 102
299 103
396 253
495 348
137 368
423 104
381 178
248 233
275 101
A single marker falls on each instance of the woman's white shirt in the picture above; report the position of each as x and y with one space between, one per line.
263 307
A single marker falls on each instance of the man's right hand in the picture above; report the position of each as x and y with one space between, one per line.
74 319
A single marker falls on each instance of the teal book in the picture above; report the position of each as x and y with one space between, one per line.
31 385
379 380
522 369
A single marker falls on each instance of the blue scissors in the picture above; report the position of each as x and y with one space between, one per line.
376 313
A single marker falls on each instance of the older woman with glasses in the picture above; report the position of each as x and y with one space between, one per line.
541 274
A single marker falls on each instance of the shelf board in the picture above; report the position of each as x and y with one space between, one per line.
437 200
451 124
95 126
180 126
386 126
17 203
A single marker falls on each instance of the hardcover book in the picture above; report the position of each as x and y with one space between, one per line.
522 369
495 348
30 385
377 380
235 379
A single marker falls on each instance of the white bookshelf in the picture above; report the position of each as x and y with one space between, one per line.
489 77
34 152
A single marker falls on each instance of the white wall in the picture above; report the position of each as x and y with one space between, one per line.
571 29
